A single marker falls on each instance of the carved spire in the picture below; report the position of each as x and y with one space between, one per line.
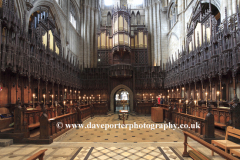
238 18
235 99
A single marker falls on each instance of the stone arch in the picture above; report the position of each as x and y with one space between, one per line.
53 8
133 21
172 4
21 7
172 49
109 18
77 12
121 86
216 3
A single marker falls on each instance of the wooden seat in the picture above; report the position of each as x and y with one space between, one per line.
197 155
235 151
220 125
39 155
35 125
226 144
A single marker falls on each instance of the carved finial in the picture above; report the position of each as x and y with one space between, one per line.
235 99
18 101
238 17
210 6
226 16
191 98
209 108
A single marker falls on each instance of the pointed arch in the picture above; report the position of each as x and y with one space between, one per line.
121 86
133 18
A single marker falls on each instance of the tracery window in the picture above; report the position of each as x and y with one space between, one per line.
135 2
109 19
172 15
58 2
73 16
42 22
108 2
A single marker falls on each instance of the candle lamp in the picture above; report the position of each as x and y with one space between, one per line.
186 106
177 92
33 99
195 107
206 98
179 105
197 99
44 99
64 102
218 98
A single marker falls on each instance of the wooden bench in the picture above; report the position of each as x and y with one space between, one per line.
221 116
32 117
226 144
39 155
196 155
100 108
34 125
204 143
144 108
235 151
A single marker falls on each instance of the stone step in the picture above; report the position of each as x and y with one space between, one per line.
6 142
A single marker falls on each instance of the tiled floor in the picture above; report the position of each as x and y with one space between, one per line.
121 134
133 153
103 151
115 144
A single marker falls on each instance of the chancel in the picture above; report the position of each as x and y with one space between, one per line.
119 79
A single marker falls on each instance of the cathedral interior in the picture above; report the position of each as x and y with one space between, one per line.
119 79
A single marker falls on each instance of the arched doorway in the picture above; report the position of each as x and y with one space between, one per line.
121 95
114 92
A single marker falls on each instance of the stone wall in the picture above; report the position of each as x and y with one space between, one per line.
163 41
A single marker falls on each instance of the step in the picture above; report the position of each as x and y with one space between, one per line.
6 142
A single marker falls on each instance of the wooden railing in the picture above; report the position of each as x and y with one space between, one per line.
39 155
167 112
84 112
32 117
100 108
144 108
221 116
49 127
204 143
205 130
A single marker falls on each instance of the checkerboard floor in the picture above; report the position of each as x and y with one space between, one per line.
119 134
114 144
102 153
